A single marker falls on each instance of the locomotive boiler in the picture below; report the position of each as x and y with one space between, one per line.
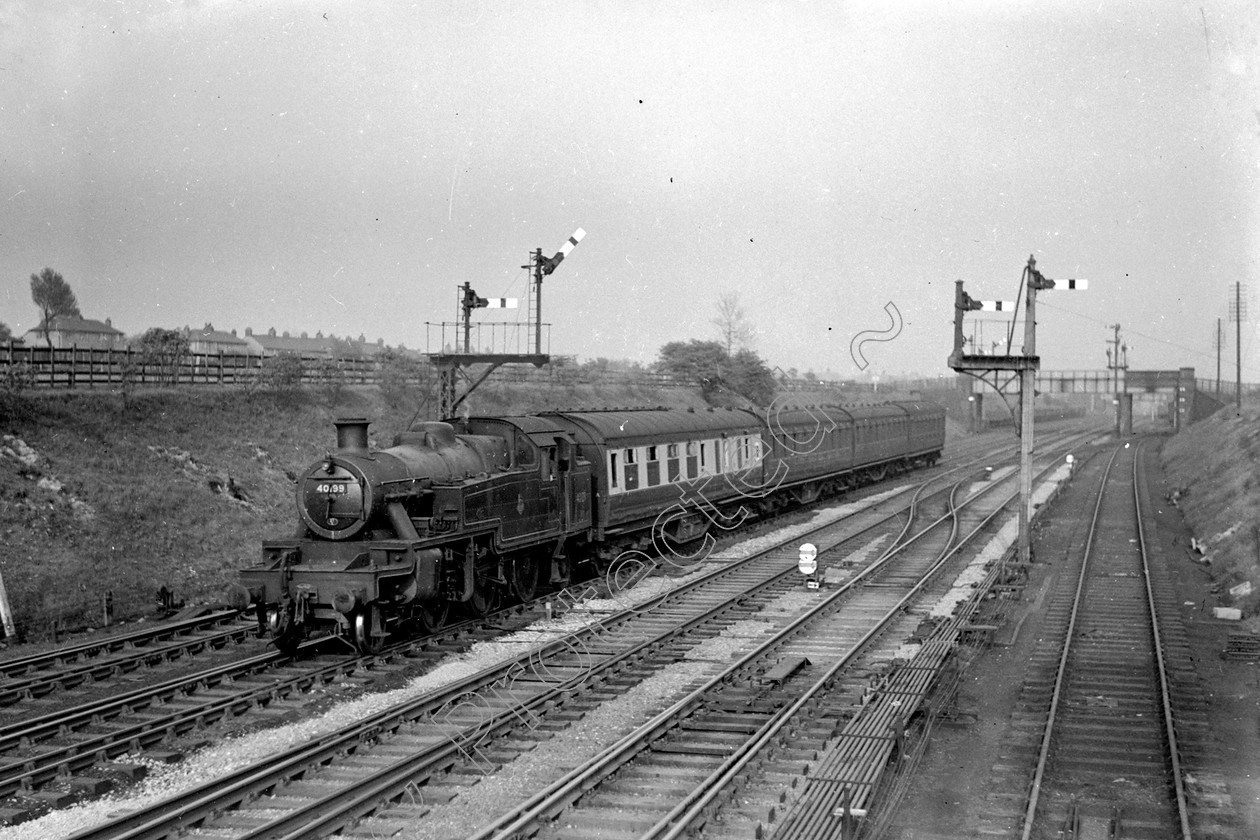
465 513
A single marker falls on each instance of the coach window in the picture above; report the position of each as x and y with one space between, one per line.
612 470
671 463
693 456
653 467
631 470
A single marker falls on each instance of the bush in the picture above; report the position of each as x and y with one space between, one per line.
405 380
16 380
282 372
331 377
163 350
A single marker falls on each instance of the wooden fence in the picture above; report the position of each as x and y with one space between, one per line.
94 367
24 366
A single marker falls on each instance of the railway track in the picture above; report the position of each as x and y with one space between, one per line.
795 738
430 748
88 748
96 660
1108 711
153 717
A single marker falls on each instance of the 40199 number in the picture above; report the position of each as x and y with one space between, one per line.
332 489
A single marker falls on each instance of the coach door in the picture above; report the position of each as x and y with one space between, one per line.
575 477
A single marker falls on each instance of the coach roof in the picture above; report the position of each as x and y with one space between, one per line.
542 430
631 427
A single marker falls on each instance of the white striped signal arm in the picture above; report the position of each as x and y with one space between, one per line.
1068 285
571 243
564 251
967 302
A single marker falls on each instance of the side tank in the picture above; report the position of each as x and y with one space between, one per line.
348 492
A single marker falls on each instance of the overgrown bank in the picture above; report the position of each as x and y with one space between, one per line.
1213 467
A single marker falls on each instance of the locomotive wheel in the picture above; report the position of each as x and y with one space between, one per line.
485 598
431 615
369 630
286 634
523 576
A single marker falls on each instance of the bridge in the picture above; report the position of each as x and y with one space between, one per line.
1185 398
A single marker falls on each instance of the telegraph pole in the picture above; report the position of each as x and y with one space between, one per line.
1237 313
1118 360
1218 359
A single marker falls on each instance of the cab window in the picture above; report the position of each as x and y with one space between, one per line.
526 453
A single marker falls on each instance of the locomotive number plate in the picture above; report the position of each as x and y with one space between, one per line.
332 489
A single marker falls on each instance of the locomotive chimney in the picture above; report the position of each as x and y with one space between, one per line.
352 434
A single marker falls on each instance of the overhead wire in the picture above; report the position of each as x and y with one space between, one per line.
1156 339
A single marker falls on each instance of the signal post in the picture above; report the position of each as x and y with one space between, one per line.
1001 372
450 365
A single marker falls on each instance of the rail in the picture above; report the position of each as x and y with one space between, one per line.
1059 698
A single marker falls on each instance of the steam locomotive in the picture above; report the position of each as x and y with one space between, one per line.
468 512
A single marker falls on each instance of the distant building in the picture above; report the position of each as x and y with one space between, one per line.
210 341
329 346
69 331
362 347
272 344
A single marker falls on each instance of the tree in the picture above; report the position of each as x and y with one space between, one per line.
699 361
750 378
6 334
403 377
708 363
733 325
53 296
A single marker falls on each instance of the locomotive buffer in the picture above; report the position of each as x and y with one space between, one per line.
1003 371
450 365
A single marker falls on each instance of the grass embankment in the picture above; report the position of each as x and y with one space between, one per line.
1213 468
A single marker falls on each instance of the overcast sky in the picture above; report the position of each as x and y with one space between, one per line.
339 166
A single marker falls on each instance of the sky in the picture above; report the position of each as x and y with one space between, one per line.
344 167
